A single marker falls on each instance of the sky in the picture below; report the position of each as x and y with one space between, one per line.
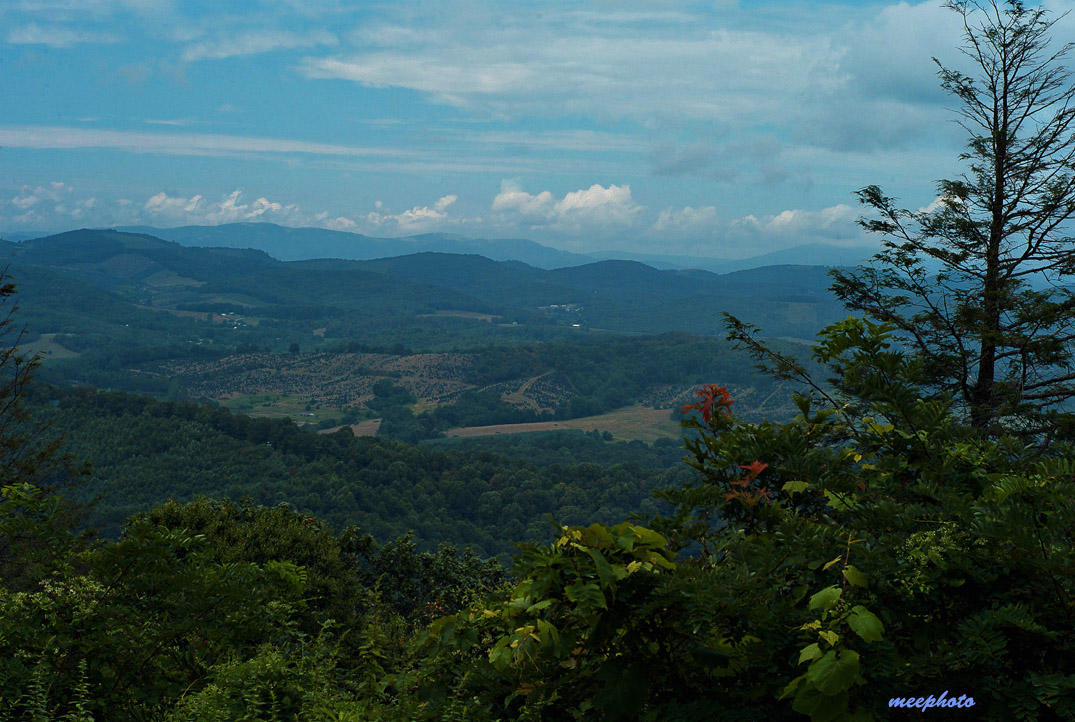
718 128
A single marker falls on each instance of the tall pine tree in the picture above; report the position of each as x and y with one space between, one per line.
975 283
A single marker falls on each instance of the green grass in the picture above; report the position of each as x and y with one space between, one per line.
276 406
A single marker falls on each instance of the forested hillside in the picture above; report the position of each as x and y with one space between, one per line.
464 341
144 453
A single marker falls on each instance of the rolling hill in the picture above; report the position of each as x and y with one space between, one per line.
237 326
296 244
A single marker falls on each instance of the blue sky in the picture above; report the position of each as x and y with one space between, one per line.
715 128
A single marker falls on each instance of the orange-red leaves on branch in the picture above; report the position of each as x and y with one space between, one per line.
751 497
754 469
748 496
711 396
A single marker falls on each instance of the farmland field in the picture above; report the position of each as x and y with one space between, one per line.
631 423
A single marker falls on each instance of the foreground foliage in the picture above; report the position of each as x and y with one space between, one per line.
872 549
877 546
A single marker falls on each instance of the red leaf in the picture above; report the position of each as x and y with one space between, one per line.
754 469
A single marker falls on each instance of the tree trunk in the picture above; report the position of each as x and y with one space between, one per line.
983 401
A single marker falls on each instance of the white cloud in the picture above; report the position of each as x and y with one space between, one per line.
839 218
587 218
419 219
833 225
340 223
164 204
24 200
47 205
597 208
30 196
178 143
541 60
700 231
437 159
597 204
687 220
230 209
513 199
253 42
169 121
57 36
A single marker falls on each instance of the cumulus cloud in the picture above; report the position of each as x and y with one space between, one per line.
687 220
597 205
418 219
837 218
513 199
230 209
47 204
587 209
444 202
28 196
702 231
170 205
56 206
339 223
833 225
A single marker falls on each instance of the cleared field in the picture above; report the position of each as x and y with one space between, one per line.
630 423
369 427
295 407
47 346
473 315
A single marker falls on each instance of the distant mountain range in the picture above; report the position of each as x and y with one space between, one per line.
347 297
299 244
810 254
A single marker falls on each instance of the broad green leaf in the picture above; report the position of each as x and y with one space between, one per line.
792 687
834 673
604 570
587 593
548 632
809 653
796 487
598 533
865 624
829 636
543 604
659 559
826 598
854 576
820 707
649 537
839 502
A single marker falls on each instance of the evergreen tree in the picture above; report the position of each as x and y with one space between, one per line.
974 282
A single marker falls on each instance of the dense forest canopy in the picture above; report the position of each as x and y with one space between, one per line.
901 545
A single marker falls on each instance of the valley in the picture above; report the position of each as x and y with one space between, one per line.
426 342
